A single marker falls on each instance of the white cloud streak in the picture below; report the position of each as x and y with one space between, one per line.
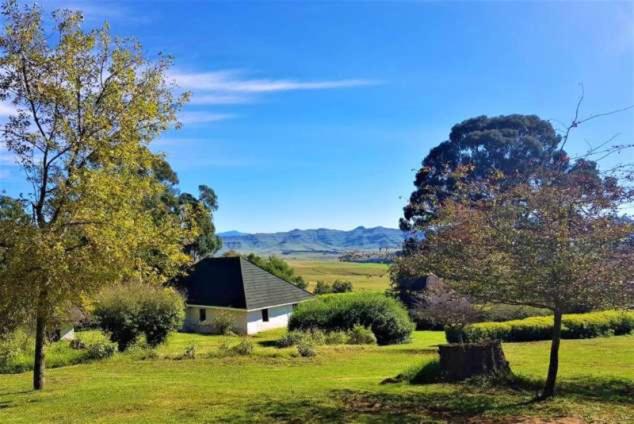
203 117
233 82
220 99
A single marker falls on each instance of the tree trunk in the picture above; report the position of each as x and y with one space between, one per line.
460 361
553 366
40 340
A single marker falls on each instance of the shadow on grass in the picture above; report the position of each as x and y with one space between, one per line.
344 406
602 389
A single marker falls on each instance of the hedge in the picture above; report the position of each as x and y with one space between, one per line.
574 326
386 317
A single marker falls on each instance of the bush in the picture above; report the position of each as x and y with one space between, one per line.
386 317
361 335
338 286
222 323
337 338
245 347
13 345
341 286
500 313
162 312
322 287
126 311
190 352
100 350
77 344
306 350
574 326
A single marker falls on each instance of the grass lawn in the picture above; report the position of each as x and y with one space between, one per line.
341 384
368 277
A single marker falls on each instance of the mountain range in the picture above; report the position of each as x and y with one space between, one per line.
321 240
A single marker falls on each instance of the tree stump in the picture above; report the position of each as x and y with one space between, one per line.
460 361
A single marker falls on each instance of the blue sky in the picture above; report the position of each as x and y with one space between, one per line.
317 114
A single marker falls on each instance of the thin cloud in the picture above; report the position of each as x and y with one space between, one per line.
203 117
219 99
233 82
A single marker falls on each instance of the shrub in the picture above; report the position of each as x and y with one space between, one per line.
77 344
341 286
338 286
162 312
306 350
322 287
126 311
13 345
222 323
500 313
337 338
224 348
361 335
574 326
386 317
245 347
100 350
190 352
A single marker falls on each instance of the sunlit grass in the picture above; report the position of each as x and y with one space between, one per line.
340 384
364 276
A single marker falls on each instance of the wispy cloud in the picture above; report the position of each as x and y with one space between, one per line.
231 87
203 117
220 99
235 82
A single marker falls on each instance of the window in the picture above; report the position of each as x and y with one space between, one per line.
294 306
202 314
265 315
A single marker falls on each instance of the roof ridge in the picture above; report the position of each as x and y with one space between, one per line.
248 288
241 261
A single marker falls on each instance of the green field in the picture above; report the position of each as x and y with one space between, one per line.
341 384
364 276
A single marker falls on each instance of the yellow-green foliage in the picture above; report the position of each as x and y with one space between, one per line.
575 326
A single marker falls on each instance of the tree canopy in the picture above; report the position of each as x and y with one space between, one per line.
512 145
87 106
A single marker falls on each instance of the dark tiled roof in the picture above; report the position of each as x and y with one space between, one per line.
237 283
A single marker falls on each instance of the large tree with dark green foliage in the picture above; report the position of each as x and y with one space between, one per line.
512 145
278 267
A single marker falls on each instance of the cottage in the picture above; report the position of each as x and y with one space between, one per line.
233 288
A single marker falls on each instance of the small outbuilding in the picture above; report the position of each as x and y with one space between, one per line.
234 290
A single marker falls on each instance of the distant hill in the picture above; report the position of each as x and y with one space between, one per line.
321 240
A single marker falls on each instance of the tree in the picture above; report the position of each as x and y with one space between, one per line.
555 241
87 107
203 208
512 145
278 267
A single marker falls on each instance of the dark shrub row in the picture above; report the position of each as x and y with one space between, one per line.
386 317
574 326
